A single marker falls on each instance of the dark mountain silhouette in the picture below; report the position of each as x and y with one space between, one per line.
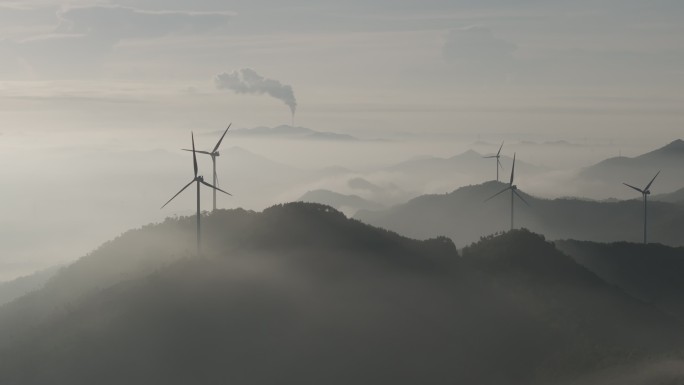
345 203
463 215
300 294
652 273
608 175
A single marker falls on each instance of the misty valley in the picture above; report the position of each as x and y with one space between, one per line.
427 291
357 192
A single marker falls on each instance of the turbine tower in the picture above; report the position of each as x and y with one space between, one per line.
645 193
214 153
199 179
514 192
498 162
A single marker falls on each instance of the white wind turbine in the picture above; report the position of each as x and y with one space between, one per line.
645 193
199 179
514 192
498 162
214 154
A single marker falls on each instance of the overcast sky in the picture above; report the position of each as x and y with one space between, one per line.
85 83
596 67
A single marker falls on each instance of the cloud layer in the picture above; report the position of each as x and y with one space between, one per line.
84 35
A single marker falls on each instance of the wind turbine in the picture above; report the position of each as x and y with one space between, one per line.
214 153
514 191
199 179
645 193
498 162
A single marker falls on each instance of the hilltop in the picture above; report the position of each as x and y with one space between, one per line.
301 292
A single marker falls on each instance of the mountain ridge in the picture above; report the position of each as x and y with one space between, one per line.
299 291
464 216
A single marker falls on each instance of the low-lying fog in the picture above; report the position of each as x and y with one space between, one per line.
61 200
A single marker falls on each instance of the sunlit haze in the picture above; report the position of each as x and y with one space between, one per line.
98 98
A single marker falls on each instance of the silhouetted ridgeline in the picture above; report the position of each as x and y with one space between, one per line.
464 216
300 294
608 175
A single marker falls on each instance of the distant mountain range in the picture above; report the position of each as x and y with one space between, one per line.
469 163
292 132
300 292
673 197
607 176
464 216
345 203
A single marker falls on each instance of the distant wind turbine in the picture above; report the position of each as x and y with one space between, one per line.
645 193
498 162
199 179
514 192
214 153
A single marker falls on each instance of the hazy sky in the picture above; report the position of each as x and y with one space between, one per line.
595 67
96 97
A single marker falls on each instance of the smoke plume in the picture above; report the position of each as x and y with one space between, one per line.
248 81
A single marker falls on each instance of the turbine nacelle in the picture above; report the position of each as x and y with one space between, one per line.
198 178
646 190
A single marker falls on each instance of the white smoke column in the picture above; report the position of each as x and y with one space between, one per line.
248 81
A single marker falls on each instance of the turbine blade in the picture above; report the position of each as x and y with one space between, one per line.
194 156
636 188
520 196
181 190
650 183
488 157
197 151
512 170
499 163
499 152
500 192
220 140
214 187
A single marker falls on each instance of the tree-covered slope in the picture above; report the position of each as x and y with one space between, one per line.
652 272
300 294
